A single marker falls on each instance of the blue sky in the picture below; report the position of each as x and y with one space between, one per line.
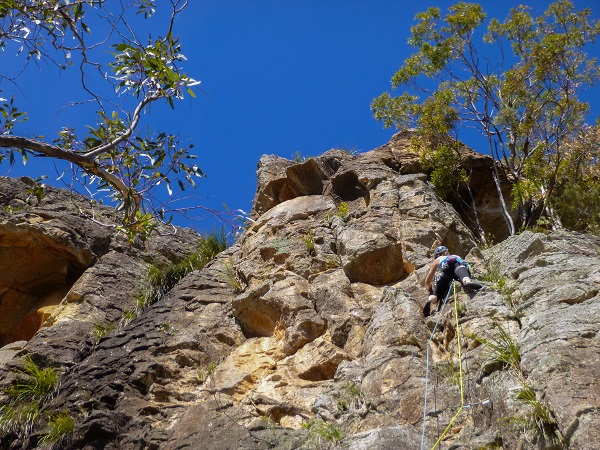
278 77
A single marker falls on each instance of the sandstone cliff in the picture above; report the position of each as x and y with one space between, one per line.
308 332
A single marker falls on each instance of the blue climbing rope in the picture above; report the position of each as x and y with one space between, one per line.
452 288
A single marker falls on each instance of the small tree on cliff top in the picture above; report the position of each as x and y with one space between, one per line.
115 154
525 100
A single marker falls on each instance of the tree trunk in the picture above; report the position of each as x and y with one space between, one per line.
509 222
476 214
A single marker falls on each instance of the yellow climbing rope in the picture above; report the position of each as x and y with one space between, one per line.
462 391
460 374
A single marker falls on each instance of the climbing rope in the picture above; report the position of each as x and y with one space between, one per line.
463 405
460 374
441 312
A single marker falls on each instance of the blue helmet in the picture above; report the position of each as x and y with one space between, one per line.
438 251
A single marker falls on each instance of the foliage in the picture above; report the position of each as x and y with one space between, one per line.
500 283
342 210
577 202
461 309
28 394
60 427
450 371
352 390
37 190
19 418
493 273
350 397
33 383
209 246
351 150
321 433
162 280
331 262
526 104
100 330
542 225
442 158
503 349
231 278
495 445
309 241
115 156
487 241
168 329
10 117
298 158
537 424
538 421
127 317
207 371
579 206
141 225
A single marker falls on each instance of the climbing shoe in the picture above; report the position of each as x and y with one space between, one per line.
474 286
427 308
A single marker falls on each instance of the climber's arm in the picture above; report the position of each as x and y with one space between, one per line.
432 269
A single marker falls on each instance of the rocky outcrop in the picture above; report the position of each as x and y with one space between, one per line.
556 282
61 258
308 332
351 179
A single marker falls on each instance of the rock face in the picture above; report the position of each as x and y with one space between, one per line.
308 332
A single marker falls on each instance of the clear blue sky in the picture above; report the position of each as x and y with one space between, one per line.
278 77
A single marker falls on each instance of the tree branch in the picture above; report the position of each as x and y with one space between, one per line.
83 161
95 152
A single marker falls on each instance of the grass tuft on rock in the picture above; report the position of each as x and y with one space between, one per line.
32 389
162 280
60 428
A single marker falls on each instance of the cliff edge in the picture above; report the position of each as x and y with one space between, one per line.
308 331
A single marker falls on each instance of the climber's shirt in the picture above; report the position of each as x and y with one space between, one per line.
450 261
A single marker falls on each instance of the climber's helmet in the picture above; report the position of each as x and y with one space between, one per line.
438 251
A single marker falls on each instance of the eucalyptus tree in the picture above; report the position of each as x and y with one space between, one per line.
518 82
578 204
122 76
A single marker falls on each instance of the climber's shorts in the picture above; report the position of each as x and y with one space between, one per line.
453 272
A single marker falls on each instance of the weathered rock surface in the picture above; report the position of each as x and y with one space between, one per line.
308 332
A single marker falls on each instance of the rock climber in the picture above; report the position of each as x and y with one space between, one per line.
445 268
